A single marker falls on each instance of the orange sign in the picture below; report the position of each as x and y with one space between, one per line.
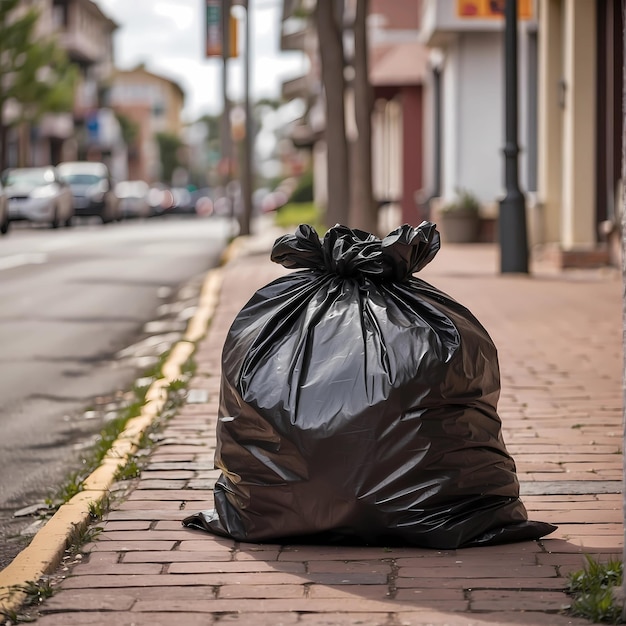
485 9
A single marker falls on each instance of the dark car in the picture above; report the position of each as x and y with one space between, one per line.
92 188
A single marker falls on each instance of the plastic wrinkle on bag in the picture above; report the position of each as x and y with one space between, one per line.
358 404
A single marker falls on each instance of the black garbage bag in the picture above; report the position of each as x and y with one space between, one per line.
358 403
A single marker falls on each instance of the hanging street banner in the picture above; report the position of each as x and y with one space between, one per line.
213 28
214 35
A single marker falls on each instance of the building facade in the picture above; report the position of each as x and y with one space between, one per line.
89 130
578 214
86 34
438 71
397 68
465 96
154 105
569 125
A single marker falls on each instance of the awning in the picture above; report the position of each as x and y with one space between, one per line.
399 65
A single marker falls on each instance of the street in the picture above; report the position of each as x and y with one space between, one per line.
72 301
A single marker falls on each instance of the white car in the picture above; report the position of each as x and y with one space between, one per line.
133 197
38 195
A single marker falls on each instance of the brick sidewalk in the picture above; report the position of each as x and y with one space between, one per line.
559 339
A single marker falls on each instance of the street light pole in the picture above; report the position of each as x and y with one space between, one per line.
226 145
512 215
246 170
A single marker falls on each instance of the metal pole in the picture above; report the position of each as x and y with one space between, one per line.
512 217
622 201
225 126
246 178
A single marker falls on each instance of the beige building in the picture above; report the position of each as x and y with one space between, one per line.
465 105
569 117
577 215
154 104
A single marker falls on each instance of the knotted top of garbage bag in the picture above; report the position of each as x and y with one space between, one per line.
353 253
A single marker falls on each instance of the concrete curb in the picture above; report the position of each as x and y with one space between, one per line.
47 548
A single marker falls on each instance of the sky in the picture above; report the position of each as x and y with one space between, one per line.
168 37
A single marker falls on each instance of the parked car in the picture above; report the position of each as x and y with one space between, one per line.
133 197
39 195
203 201
159 199
182 202
4 211
92 188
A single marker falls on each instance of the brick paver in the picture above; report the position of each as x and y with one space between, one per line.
559 339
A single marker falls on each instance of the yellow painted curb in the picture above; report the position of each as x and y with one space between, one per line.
208 301
46 550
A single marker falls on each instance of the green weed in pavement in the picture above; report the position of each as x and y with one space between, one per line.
99 508
35 593
80 535
592 591
131 469
107 436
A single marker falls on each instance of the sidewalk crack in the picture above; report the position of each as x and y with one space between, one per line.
392 577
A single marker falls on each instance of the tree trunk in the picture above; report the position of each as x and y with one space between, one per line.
363 209
330 37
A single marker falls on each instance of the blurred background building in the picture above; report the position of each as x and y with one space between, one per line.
115 115
89 129
85 33
154 105
437 69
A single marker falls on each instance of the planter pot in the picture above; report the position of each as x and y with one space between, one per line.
459 227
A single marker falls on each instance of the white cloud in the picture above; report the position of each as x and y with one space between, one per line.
182 16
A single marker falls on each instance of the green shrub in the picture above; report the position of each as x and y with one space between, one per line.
293 214
304 190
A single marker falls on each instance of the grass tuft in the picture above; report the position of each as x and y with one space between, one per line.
34 594
99 508
129 470
592 591
80 535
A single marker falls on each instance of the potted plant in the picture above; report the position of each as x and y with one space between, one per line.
460 218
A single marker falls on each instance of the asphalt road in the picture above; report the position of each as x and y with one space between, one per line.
71 301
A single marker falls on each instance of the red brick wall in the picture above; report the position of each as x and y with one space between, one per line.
412 151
